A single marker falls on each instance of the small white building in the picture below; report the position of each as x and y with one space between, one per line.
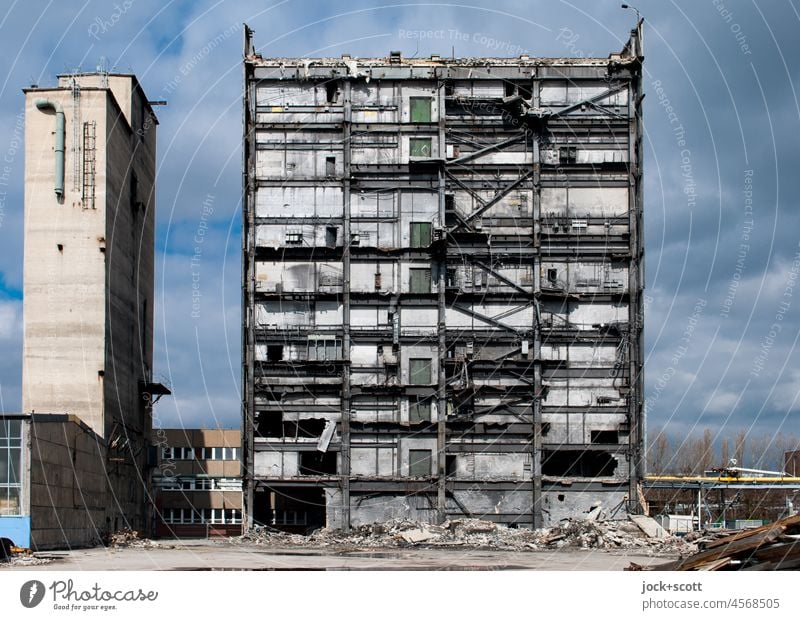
678 524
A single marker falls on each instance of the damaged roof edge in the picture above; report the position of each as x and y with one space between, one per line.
348 62
632 52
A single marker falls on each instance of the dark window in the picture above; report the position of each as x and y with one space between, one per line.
332 91
420 109
330 166
420 234
419 371
419 411
567 154
420 147
419 281
419 463
274 352
270 424
578 463
317 463
552 276
330 236
450 216
605 437
304 428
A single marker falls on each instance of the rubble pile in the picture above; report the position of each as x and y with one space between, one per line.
131 538
476 534
262 535
473 533
24 560
616 535
14 556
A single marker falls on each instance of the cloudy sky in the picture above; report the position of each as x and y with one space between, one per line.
721 213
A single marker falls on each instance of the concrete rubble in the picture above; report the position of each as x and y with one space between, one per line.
131 538
25 560
478 534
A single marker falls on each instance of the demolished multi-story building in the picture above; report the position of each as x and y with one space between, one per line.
442 287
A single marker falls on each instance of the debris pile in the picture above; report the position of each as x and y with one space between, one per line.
771 547
15 556
473 533
131 538
476 534
24 560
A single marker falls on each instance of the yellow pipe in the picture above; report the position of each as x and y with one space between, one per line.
771 479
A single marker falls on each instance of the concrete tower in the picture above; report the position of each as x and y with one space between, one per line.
90 152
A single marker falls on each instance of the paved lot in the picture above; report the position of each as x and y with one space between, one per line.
213 555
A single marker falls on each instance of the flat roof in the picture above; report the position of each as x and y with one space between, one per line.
435 61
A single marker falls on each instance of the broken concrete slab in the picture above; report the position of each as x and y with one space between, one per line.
649 526
416 535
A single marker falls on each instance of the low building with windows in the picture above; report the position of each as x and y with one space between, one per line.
196 484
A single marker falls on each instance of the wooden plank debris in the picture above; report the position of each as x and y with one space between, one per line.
770 547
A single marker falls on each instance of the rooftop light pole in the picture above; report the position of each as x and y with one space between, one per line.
633 8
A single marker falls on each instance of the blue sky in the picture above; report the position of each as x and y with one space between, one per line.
720 264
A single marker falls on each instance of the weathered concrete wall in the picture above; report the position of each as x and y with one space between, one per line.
130 207
566 504
64 265
371 509
69 498
481 501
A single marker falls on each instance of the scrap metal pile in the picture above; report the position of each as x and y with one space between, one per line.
477 534
771 547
